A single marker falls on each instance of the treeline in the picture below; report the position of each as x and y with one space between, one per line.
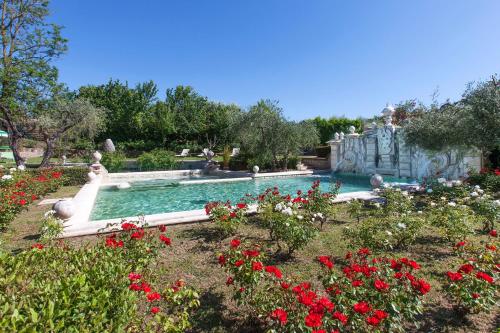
137 118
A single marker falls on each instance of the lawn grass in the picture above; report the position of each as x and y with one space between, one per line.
193 257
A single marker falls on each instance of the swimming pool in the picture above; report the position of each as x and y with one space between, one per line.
170 195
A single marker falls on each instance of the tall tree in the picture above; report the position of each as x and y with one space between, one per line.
27 78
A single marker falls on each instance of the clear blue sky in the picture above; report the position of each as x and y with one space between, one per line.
323 57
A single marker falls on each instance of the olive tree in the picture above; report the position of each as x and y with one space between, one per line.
68 118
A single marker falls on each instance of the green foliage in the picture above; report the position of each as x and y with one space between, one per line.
92 288
472 286
455 222
327 127
157 160
386 233
268 140
473 121
227 218
51 227
487 180
114 161
72 176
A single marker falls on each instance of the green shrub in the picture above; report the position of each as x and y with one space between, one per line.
73 176
455 222
157 160
114 161
107 287
487 180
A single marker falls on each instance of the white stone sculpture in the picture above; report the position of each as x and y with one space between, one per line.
336 136
64 209
96 156
342 135
109 146
376 181
63 159
352 130
387 113
256 169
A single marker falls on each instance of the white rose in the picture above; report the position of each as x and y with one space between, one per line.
441 180
401 225
452 204
419 212
388 232
300 217
429 190
6 177
433 204
474 194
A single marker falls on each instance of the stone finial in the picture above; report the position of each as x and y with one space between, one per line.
109 146
96 156
64 209
336 136
387 113
342 135
352 130
256 169
376 181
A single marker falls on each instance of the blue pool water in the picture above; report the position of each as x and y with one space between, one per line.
166 195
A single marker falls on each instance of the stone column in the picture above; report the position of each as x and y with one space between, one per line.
386 146
335 151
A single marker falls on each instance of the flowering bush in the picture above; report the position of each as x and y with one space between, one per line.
51 228
287 219
102 287
20 189
371 294
454 221
488 179
386 233
226 217
472 285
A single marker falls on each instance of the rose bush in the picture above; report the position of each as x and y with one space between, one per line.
473 285
20 189
226 217
367 294
110 286
454 221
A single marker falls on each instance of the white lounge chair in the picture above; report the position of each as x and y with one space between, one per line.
184 153
204 152
236 152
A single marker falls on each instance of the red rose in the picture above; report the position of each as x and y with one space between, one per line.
153 297
274 270
37 246
222 260
357 283
380 314
422 286
466 269
165 239
398 275
137 234
280 315
251 253
493 233
134 276
22 202
340 316
239 263
373 321
325 260
128 226
155 310
460 244
313 320
454 276
364 251
475 295
135 287
229 281
162 228
145 287
381 285
257 266
285 285
484 276
361 307
241 205
235 243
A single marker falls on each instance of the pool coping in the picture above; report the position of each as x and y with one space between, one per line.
81 225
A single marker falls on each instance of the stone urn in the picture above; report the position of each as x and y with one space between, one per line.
64 209
376 180
255 169
96 156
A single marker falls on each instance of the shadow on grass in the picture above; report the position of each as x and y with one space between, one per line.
447 319
210 235
210 317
